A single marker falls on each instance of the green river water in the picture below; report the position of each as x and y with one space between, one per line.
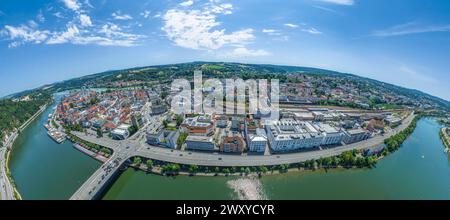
43 169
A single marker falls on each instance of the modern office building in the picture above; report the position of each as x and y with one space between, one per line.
290 135
202 143
163 138
121 132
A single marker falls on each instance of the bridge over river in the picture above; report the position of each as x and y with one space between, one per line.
136 146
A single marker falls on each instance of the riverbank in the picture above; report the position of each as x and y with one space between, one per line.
445 138
9 148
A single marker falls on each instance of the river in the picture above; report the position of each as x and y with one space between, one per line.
43 169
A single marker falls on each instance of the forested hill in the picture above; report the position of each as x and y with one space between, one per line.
15 112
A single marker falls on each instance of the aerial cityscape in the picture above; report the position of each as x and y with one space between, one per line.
209 100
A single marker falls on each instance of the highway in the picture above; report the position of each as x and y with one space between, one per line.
136 146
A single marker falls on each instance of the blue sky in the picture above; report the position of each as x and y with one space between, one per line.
405 42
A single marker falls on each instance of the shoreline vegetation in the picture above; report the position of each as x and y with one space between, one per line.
443 135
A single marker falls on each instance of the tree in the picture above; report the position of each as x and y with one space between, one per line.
149 164
106 151
193 168
137 161
164 94
347 159
179 119
181 139
99 132
263 169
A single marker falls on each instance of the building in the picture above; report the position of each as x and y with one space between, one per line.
257 142
393 121
137 120
375 150
375 125
232 142
164 138
290 135
121 132
157 109
202 143
332 135
355 135
222 121
199 126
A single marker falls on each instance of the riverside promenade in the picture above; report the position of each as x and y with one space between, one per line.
126 149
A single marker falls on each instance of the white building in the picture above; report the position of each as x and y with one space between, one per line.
332 136
289 135
257 142
121 132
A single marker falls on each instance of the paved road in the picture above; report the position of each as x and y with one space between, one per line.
6 188
135 146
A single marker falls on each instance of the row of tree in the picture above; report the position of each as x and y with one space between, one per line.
90 146
347 159
394 142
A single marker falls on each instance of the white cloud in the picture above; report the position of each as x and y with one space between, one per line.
119 16
85 20
291 25
24 34
66 36
311 31
145 14
109 35
271 32
79 29
187 3
240 52
339 2
410 28
197 29
72 4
